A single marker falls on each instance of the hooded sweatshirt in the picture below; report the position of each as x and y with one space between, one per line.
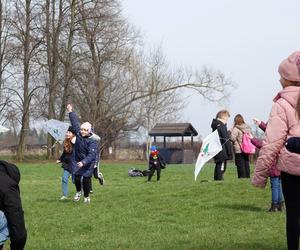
283 123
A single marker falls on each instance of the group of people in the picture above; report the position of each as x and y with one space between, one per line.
279 159
279 155
231 141
80 158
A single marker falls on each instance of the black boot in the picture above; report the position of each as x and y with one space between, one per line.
281 206
273 208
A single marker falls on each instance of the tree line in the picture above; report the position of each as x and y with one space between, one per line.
53 52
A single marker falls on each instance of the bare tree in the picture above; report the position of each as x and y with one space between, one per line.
117 87
26 43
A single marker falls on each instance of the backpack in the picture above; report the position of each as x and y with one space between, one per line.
135 173
246 146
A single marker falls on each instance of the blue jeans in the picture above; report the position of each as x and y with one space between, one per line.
276 189
64 182
4 234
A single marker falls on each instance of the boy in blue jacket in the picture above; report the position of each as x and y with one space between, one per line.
84 156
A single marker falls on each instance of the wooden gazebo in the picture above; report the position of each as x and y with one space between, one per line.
175 130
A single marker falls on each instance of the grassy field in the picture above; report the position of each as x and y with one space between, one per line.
129 213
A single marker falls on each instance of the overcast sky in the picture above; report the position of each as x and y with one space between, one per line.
244 39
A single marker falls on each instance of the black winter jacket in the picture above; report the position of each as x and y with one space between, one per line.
10 204
65 160
156 162
226 153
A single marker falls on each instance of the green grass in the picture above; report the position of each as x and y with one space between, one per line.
129 213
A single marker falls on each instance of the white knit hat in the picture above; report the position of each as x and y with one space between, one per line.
87 126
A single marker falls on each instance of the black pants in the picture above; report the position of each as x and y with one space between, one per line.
152 170
220 169
86 184
242 165
291 193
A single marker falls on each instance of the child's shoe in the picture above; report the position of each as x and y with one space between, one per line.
101 178
63 198
77 196
86 200
273 208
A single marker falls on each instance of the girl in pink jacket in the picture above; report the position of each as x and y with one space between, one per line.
274 174
284 123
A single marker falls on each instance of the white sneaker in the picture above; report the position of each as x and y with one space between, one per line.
77 196
63 198
87 200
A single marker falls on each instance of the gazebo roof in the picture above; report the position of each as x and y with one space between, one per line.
173 129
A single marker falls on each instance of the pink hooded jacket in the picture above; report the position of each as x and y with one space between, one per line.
283 123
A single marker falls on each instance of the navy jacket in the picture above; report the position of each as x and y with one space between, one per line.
85 150
66 161
226 153
10 204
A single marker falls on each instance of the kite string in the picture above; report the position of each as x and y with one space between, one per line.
226 140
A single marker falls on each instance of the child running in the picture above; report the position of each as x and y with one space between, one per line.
65 160
84 157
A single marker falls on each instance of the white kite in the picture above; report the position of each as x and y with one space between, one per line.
211 145
57 129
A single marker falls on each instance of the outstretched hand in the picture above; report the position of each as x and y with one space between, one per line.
257 121
69 108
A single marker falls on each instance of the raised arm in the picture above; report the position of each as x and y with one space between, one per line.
73 119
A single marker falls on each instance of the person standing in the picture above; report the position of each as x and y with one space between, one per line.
241 158
84 156
65 160
156 162
284 123
220 124
274 173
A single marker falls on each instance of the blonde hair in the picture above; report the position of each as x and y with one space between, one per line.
223 113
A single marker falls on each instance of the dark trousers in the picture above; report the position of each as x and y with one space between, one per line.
291 193
86 184
220 169
152 170
242 165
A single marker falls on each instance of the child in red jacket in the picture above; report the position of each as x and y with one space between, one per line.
274 173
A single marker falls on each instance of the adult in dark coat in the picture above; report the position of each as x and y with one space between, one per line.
84 156
11 206
219 123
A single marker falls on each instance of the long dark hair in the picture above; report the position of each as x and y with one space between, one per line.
238 120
